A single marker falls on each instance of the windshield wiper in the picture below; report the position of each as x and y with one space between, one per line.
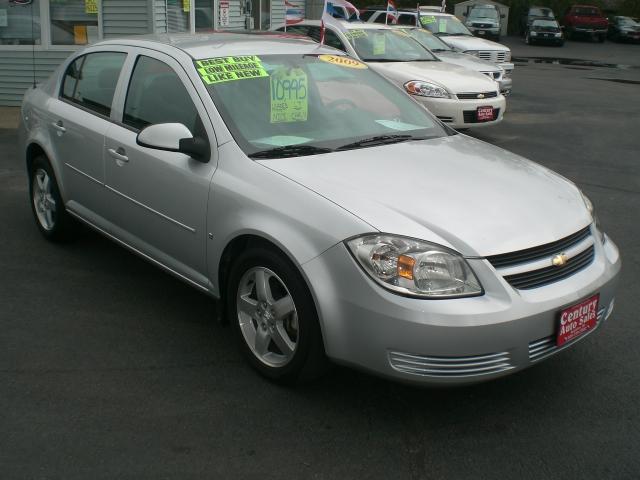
289 151
378 140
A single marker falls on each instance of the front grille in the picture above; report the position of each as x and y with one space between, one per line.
540 252
547 275
474 96
539 349
451 367
482 25
493 55
446 119
470 116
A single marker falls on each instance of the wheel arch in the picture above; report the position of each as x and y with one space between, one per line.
34 149
244 241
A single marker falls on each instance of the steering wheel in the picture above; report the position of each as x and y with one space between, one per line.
342 104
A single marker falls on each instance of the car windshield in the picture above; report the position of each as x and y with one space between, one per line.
428 40
293 105
628 22
540 12
387 45
586 11
444 25
483 12
545 23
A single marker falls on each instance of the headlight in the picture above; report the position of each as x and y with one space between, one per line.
558 35
471 52
426 89
414 267
533 34
592 211
507 56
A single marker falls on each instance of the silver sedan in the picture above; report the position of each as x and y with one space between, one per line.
333 216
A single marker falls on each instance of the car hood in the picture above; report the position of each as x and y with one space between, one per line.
455 78
465 42
468 61
456 191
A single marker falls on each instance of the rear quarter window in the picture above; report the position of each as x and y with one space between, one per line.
90 81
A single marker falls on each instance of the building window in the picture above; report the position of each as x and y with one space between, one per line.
20 22
73 22
178 15
204 15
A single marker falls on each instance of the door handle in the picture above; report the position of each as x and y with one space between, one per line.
59 126
118 154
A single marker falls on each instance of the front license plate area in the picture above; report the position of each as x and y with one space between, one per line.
485 114
577 320
481 32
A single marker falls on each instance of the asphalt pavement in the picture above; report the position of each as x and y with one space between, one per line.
111 369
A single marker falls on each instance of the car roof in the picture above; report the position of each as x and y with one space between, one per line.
221 43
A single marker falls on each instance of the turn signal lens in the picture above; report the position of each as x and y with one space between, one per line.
405 266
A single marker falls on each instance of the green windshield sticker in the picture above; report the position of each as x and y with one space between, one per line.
379 44
427 20
442 25
353 34
289 101
226 69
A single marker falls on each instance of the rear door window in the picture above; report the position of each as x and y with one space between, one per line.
90 81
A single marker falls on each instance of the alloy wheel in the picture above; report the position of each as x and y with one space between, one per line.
267 316
43 199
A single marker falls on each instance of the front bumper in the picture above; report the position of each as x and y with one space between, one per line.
590 30
505 85
457 113
492 32
445 342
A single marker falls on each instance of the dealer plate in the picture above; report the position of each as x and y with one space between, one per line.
577 320
485 114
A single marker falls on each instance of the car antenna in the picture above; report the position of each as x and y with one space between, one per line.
33 47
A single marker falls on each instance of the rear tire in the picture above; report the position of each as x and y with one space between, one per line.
274 317
49 212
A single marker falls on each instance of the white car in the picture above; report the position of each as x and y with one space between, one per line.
459 97
453 32
447 54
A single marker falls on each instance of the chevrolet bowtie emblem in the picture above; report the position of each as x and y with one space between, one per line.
559 260
481 95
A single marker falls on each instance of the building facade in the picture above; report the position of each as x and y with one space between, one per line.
37 35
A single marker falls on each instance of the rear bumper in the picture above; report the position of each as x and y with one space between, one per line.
456 341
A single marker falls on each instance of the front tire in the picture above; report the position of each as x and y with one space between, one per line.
274 317
47 205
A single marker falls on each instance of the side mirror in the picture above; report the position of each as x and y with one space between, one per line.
174 137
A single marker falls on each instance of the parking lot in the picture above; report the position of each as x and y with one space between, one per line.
112 369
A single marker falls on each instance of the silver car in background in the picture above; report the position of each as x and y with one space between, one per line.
331 214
